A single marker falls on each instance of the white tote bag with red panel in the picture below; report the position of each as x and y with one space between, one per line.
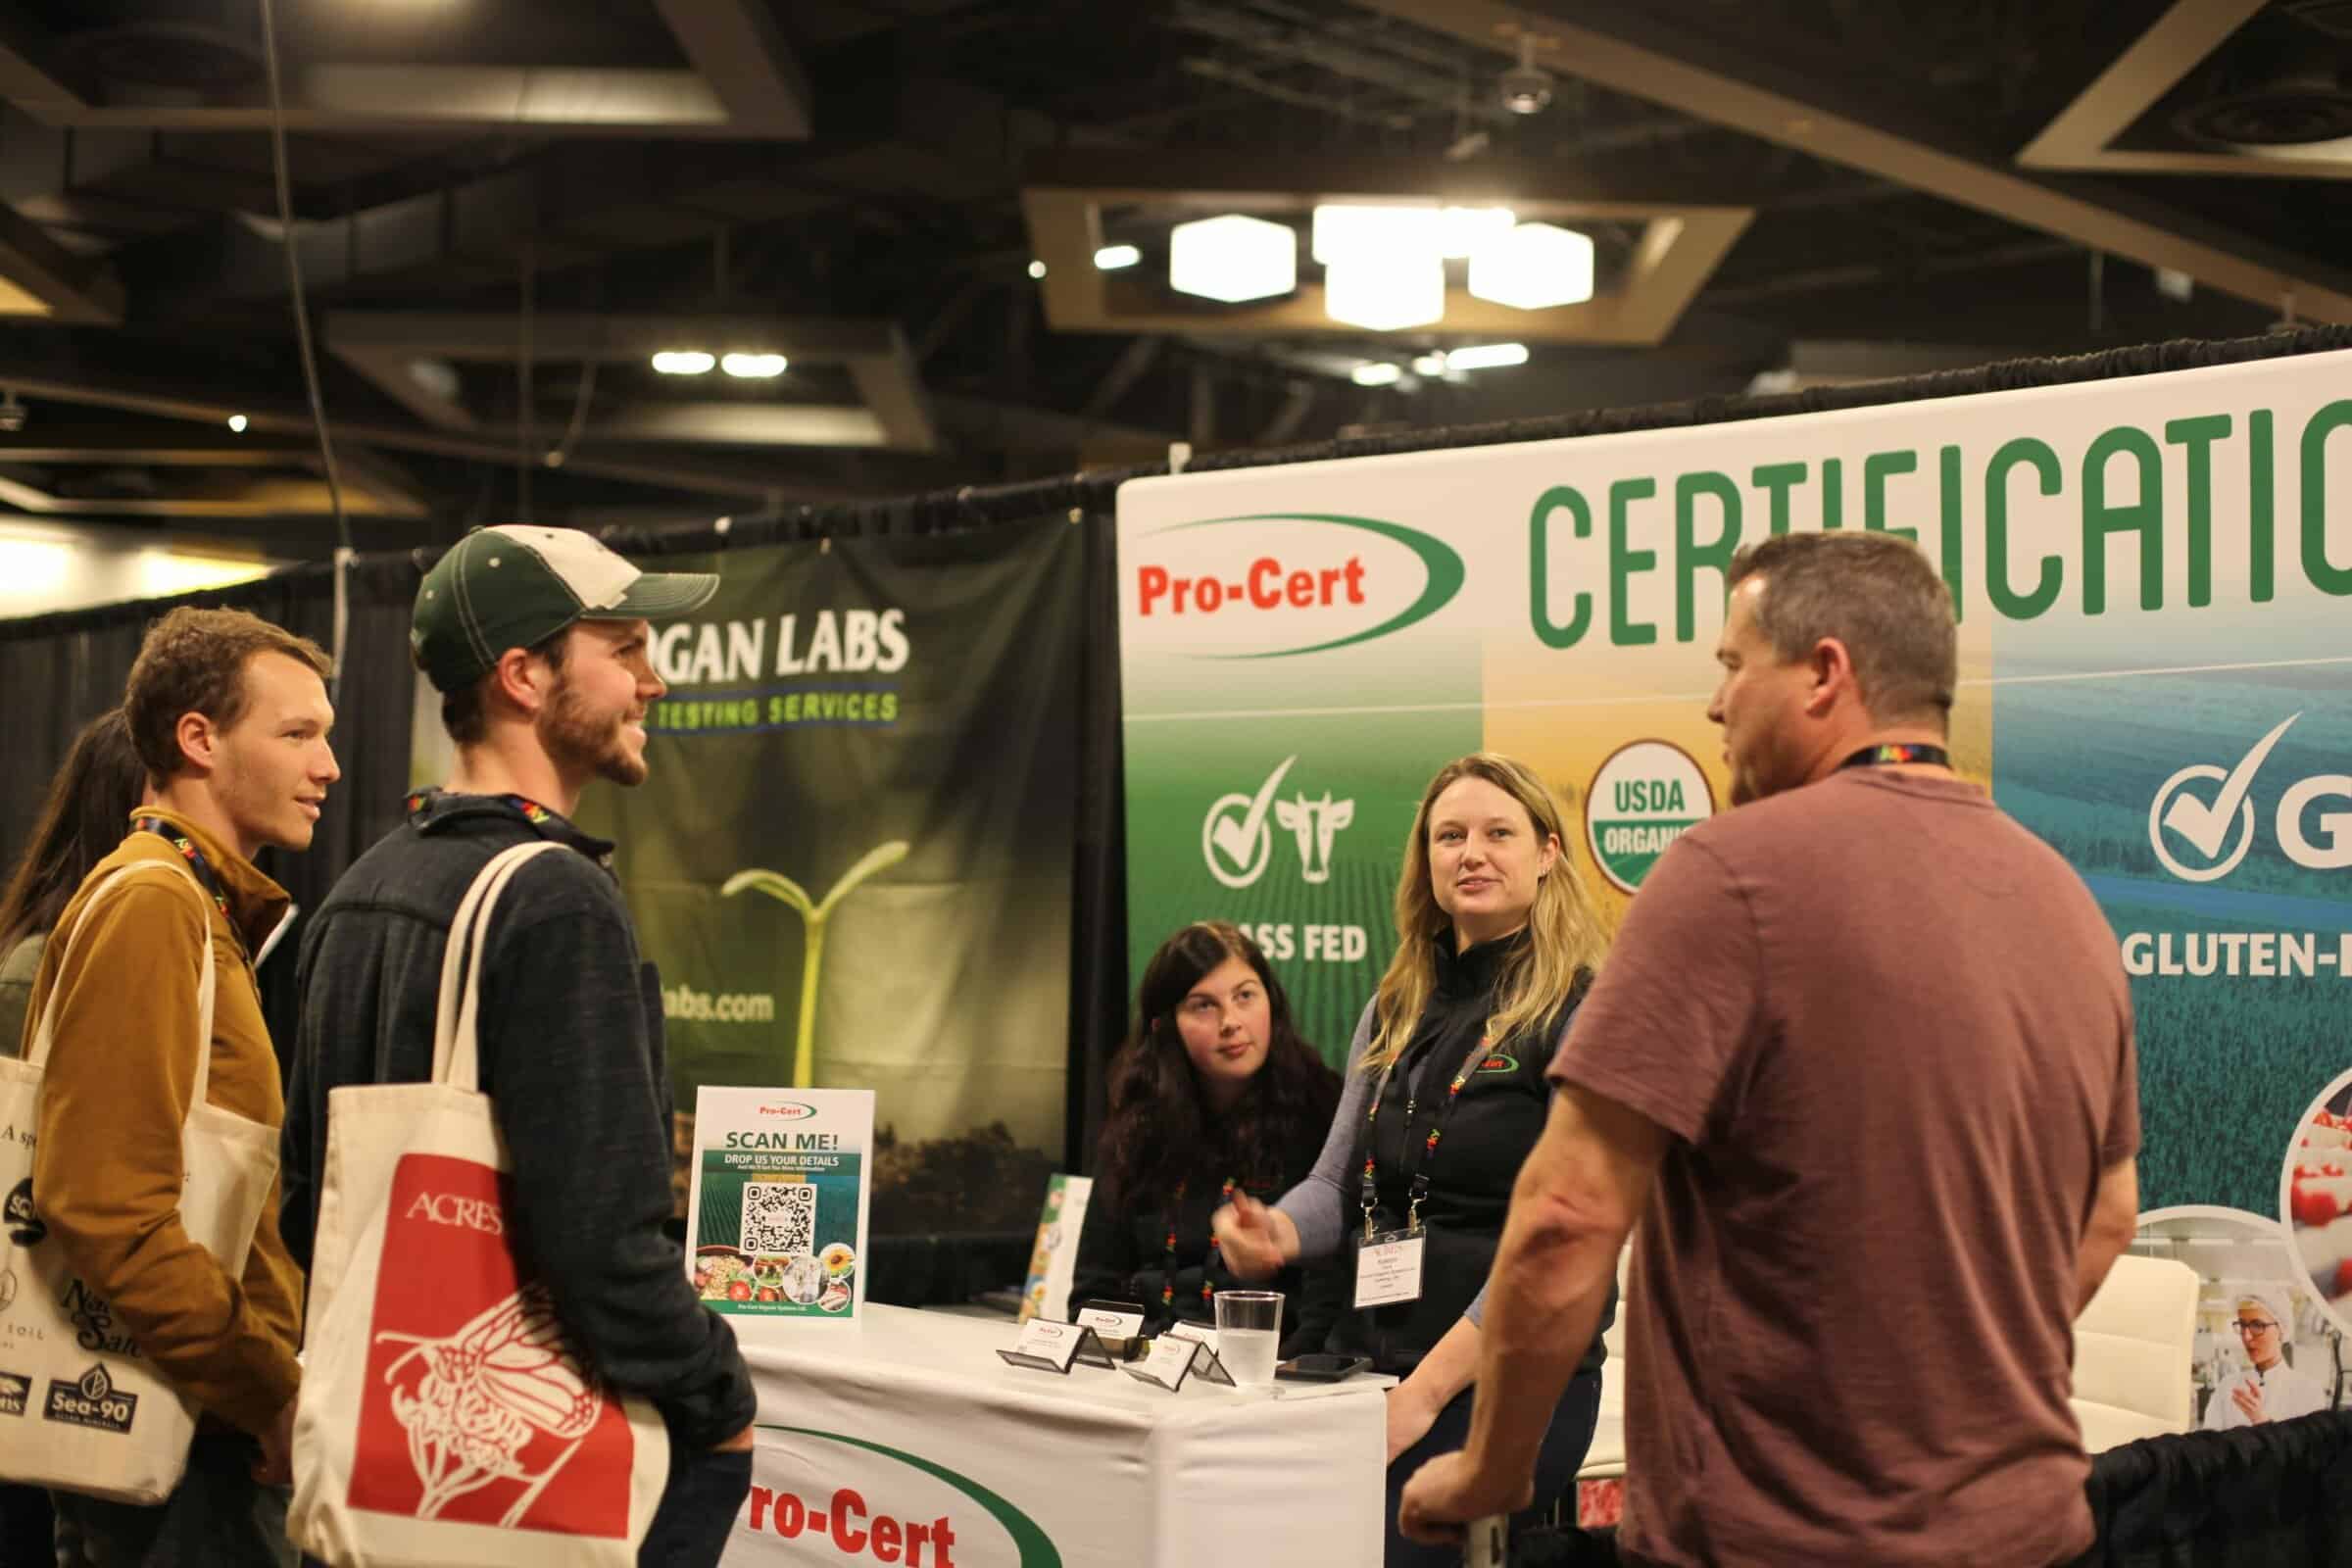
443 1419
80 1408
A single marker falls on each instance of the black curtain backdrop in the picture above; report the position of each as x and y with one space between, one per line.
59 671
2277 1496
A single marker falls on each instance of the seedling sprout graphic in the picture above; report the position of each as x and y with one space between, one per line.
814 917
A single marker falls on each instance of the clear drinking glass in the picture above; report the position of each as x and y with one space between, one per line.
1248 1329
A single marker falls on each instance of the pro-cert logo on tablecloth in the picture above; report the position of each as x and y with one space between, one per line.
882 1503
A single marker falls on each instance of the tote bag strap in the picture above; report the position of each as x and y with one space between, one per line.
457 1059
44 1028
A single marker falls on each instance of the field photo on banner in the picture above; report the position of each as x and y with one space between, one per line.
850 858
2150 573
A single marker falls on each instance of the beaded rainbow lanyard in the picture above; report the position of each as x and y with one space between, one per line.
193 855
206 877
1369 1197
1897 754
532 811
1167 1273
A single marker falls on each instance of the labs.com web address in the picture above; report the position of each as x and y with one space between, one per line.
690 1005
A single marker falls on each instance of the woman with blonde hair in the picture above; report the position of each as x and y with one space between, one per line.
1498 940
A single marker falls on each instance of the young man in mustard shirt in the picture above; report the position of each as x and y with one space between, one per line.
230 714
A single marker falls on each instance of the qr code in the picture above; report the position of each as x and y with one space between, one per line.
779 1219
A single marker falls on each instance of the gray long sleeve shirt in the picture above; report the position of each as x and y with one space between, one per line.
1324 1205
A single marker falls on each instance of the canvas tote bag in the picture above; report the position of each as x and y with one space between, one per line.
80 1409
443 1420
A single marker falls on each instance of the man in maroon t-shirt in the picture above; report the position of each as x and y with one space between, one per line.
1861 1065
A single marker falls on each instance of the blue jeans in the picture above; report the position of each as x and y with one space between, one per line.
217 1514
1564 1451
697 1513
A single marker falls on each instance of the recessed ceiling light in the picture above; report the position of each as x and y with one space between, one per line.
1486 357
236 423
1462 229
1233 258
1533 268
1110 258
1374 373
684 361
1037 268
1385 293
1359 231
754 366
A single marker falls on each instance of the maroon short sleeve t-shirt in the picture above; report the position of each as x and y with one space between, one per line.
1890 1036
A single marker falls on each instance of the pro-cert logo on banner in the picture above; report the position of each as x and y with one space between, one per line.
1645 795
1279 584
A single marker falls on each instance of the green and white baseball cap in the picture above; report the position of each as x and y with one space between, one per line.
514 587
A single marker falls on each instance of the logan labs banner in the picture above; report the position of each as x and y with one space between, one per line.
851 861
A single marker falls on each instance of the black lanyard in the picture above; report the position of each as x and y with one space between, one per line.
1897 755
1370 1196
205 875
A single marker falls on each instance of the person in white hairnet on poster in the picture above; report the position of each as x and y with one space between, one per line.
2269 1390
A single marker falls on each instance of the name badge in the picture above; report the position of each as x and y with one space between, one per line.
1052 1347
1388 1269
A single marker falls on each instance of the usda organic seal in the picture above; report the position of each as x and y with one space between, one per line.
1644 796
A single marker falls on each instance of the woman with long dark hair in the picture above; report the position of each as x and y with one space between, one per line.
84 816
1214 1094
1498 940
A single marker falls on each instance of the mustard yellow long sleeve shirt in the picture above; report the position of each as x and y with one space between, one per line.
121 1073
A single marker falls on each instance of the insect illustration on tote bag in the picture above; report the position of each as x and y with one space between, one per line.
486 1392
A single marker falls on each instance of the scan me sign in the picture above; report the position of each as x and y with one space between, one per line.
2151 577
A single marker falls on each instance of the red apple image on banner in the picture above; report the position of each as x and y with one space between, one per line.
475 1411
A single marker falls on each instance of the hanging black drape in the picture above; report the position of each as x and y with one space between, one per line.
2276 1496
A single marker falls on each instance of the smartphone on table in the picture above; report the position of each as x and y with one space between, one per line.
1320 1368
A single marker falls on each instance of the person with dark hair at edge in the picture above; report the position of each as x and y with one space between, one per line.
1498 939
539 642
99 785
1216 1092
1862 1057
229 716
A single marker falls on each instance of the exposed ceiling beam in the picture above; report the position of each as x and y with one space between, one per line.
742 424
383 345
209 494
745 82
2083 135
743 55
62 383
39 277
1134 360
48 440
1643 57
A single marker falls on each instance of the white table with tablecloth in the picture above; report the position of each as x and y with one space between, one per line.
905 1440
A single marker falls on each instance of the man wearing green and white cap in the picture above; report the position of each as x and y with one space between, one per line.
538 640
